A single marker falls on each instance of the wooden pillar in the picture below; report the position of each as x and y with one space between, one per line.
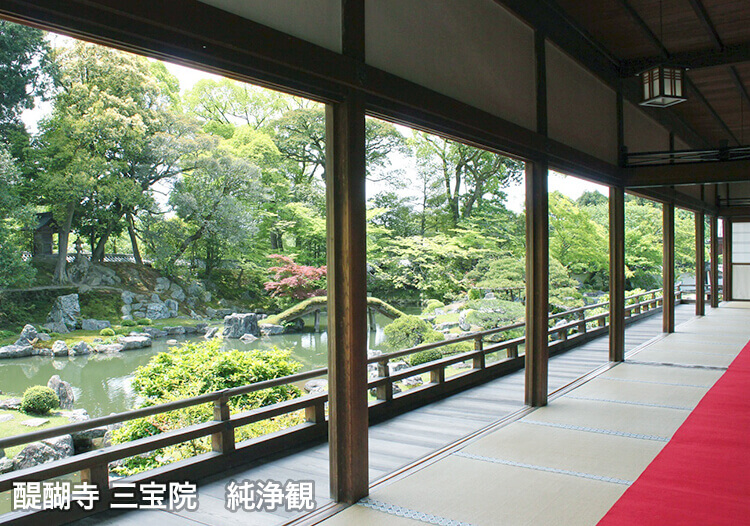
668 267
347 298
727 262
714 270
616 274
537 283
700 264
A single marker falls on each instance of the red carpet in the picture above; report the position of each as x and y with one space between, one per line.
702 476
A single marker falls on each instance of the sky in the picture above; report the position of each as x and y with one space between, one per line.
567 185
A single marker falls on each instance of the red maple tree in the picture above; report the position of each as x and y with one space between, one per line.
296 281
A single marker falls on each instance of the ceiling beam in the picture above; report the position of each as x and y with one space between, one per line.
703 58
735 212
655 41
738 82
687 174
704 101
705 20
548 17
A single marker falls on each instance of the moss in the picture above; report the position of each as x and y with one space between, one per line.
100 304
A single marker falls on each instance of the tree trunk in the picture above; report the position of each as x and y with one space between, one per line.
134 239
186 244
61 272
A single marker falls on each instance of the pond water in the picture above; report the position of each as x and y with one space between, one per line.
102 382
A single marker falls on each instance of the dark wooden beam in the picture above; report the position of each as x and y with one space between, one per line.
687 174
347 298
704 102
705 20
698 59
645 29
713 273
735 212
668 267
700 264
726 266
616 274
537 284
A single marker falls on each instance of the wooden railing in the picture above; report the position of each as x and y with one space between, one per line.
226 451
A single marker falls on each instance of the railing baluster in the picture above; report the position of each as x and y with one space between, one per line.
316 413
385 391
582 325
98 476
512 351
437 375
479 361
223 442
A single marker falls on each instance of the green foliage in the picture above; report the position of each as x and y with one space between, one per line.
107 332
144 321
431 305
474 294
430 355
409 331
39 400
198 368
490 314
129 323
100 304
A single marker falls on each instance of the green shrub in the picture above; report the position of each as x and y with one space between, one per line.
409 331
107 332
128 323
39 400
421 357
431 306
144 321
475 294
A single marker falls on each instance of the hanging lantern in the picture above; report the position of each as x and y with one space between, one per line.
662 86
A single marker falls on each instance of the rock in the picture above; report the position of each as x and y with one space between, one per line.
60 348
171 342
316 386
80 349
439 312
269 329
43 337
462 323
154 332
162 285
489 296
16 351
400 365
5 418
173 307
64 312
97 340
6 466
372 353
157 311
191 329
127 297
127 310
10 404
95 325
63 390
139 341
108 348
174 331
248 338
237 325
294 326
34 422
211 333
78 415
412 381
446 326
46 451
28 335
177 293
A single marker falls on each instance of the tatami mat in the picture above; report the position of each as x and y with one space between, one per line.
568 462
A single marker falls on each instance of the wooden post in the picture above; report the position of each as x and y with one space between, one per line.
714 270
727 262
668 268
373 325
700 264
222 442
616 274
317 321
347 298
537 283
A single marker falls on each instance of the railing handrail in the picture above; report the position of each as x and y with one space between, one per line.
214 396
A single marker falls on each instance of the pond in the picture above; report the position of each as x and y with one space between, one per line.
102 382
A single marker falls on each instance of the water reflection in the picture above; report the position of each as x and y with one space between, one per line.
102 383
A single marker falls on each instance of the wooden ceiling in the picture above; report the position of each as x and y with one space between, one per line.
712 36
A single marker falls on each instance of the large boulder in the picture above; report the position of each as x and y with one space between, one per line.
28 335
109 348
127 297
63 390
10 404
268 329
211 333
134 342
177 293
175 331
95 325
65 311
162 285
16 351
154 332
157 311
248 338
46 451
173 307
237 325
60 348
316 386
80 349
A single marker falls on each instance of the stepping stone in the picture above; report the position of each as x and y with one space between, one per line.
5 418
35 422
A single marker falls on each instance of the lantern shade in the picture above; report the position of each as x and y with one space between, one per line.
662 86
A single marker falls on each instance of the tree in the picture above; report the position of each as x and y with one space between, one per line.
295 281
14 215
575 240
